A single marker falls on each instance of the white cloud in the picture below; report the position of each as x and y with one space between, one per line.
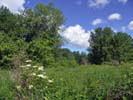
76 36
123 1
130 26
98 3
114 16
102 3
14 5
97 21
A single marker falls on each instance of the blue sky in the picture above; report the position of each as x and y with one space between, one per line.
83 16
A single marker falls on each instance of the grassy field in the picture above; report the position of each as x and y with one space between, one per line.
93 82
6 86
82 83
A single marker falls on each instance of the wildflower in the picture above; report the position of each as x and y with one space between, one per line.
22 66
28 61
34 66
33 74
40 68
18 87
45 77
28 65
50 81
30 86
42 76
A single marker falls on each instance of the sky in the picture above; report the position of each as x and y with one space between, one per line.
84 16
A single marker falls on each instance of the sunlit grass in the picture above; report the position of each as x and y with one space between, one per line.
6 86
94 82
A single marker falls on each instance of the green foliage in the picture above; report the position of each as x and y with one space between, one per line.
91 83
33 31
6 90
81 58
65 57
34 34
39 51
108 46
122 47
67 63
33 82
7 50
94 82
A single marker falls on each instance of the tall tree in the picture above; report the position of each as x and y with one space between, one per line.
100 45
108 46
34 31
122 45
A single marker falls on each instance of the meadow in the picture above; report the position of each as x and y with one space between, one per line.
34 66
94 82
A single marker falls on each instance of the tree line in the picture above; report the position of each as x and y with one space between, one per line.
33 34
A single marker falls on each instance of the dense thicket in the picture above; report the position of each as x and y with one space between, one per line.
33 33
109 46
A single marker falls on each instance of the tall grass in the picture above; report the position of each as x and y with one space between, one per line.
6 86
94 82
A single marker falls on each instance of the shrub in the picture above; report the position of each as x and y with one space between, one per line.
34 84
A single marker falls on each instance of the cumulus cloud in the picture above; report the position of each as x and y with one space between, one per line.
114 16
123 1
14 5
76 36
97 21
130 26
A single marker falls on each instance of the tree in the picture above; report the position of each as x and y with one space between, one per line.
43 24
100 45
121 47
108 46
33 31
81 58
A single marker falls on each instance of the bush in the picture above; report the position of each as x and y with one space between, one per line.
67 63
40 52
33 84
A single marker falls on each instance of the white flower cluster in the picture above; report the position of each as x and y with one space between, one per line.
35 72
28 61
40 68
